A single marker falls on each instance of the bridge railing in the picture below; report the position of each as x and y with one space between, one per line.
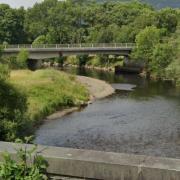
58 46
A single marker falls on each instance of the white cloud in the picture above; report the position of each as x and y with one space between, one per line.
19 3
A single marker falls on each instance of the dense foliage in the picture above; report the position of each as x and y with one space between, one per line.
13 107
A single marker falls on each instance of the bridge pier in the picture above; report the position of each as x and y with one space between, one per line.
34 64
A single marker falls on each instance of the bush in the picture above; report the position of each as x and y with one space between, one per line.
73 60
13 106
22 58
4 72
173 71
83 59
30 165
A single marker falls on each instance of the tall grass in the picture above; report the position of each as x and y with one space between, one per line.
48 90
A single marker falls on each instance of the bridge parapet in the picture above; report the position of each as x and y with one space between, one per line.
47 51
87 164
61 46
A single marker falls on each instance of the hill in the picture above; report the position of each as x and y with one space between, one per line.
156 3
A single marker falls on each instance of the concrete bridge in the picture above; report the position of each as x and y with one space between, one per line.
46 51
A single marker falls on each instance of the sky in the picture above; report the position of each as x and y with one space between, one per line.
19 3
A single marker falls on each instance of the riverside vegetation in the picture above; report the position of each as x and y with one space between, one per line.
27 97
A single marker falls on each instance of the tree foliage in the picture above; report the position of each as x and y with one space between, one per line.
13 106
146 40
163 55
22 58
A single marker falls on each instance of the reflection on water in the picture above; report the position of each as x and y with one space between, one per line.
125 87
143 121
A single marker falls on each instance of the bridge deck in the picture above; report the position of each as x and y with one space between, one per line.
46 51
71 46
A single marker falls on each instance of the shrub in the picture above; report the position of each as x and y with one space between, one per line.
22 58
83 59
73 60
13 106
30 165
4 72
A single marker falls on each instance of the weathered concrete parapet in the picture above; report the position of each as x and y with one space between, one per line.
104 165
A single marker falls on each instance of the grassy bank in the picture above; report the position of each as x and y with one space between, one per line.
48 90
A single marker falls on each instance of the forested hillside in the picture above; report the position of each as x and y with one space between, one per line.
155 3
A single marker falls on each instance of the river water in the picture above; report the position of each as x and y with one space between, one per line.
142 117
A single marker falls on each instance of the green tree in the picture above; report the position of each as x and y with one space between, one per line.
167 18
146 41
163 55
11 25
40 40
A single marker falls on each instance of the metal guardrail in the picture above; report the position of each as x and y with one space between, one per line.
61 46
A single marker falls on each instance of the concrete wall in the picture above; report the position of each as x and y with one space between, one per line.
103 165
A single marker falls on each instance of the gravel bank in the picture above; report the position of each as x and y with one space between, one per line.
97 88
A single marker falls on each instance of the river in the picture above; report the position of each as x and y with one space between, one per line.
142 117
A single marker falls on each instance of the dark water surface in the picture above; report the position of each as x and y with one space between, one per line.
142 117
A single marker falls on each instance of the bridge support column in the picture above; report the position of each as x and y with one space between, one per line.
34 64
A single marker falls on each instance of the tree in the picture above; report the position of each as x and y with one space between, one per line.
163 55
11 25
146 41
167 18
40 40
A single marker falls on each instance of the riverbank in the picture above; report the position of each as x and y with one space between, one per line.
48 91
55 93
97 89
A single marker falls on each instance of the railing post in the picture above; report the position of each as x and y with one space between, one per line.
92 45
18 46
68 45
56 46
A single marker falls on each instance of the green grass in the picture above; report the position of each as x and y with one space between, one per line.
48 90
